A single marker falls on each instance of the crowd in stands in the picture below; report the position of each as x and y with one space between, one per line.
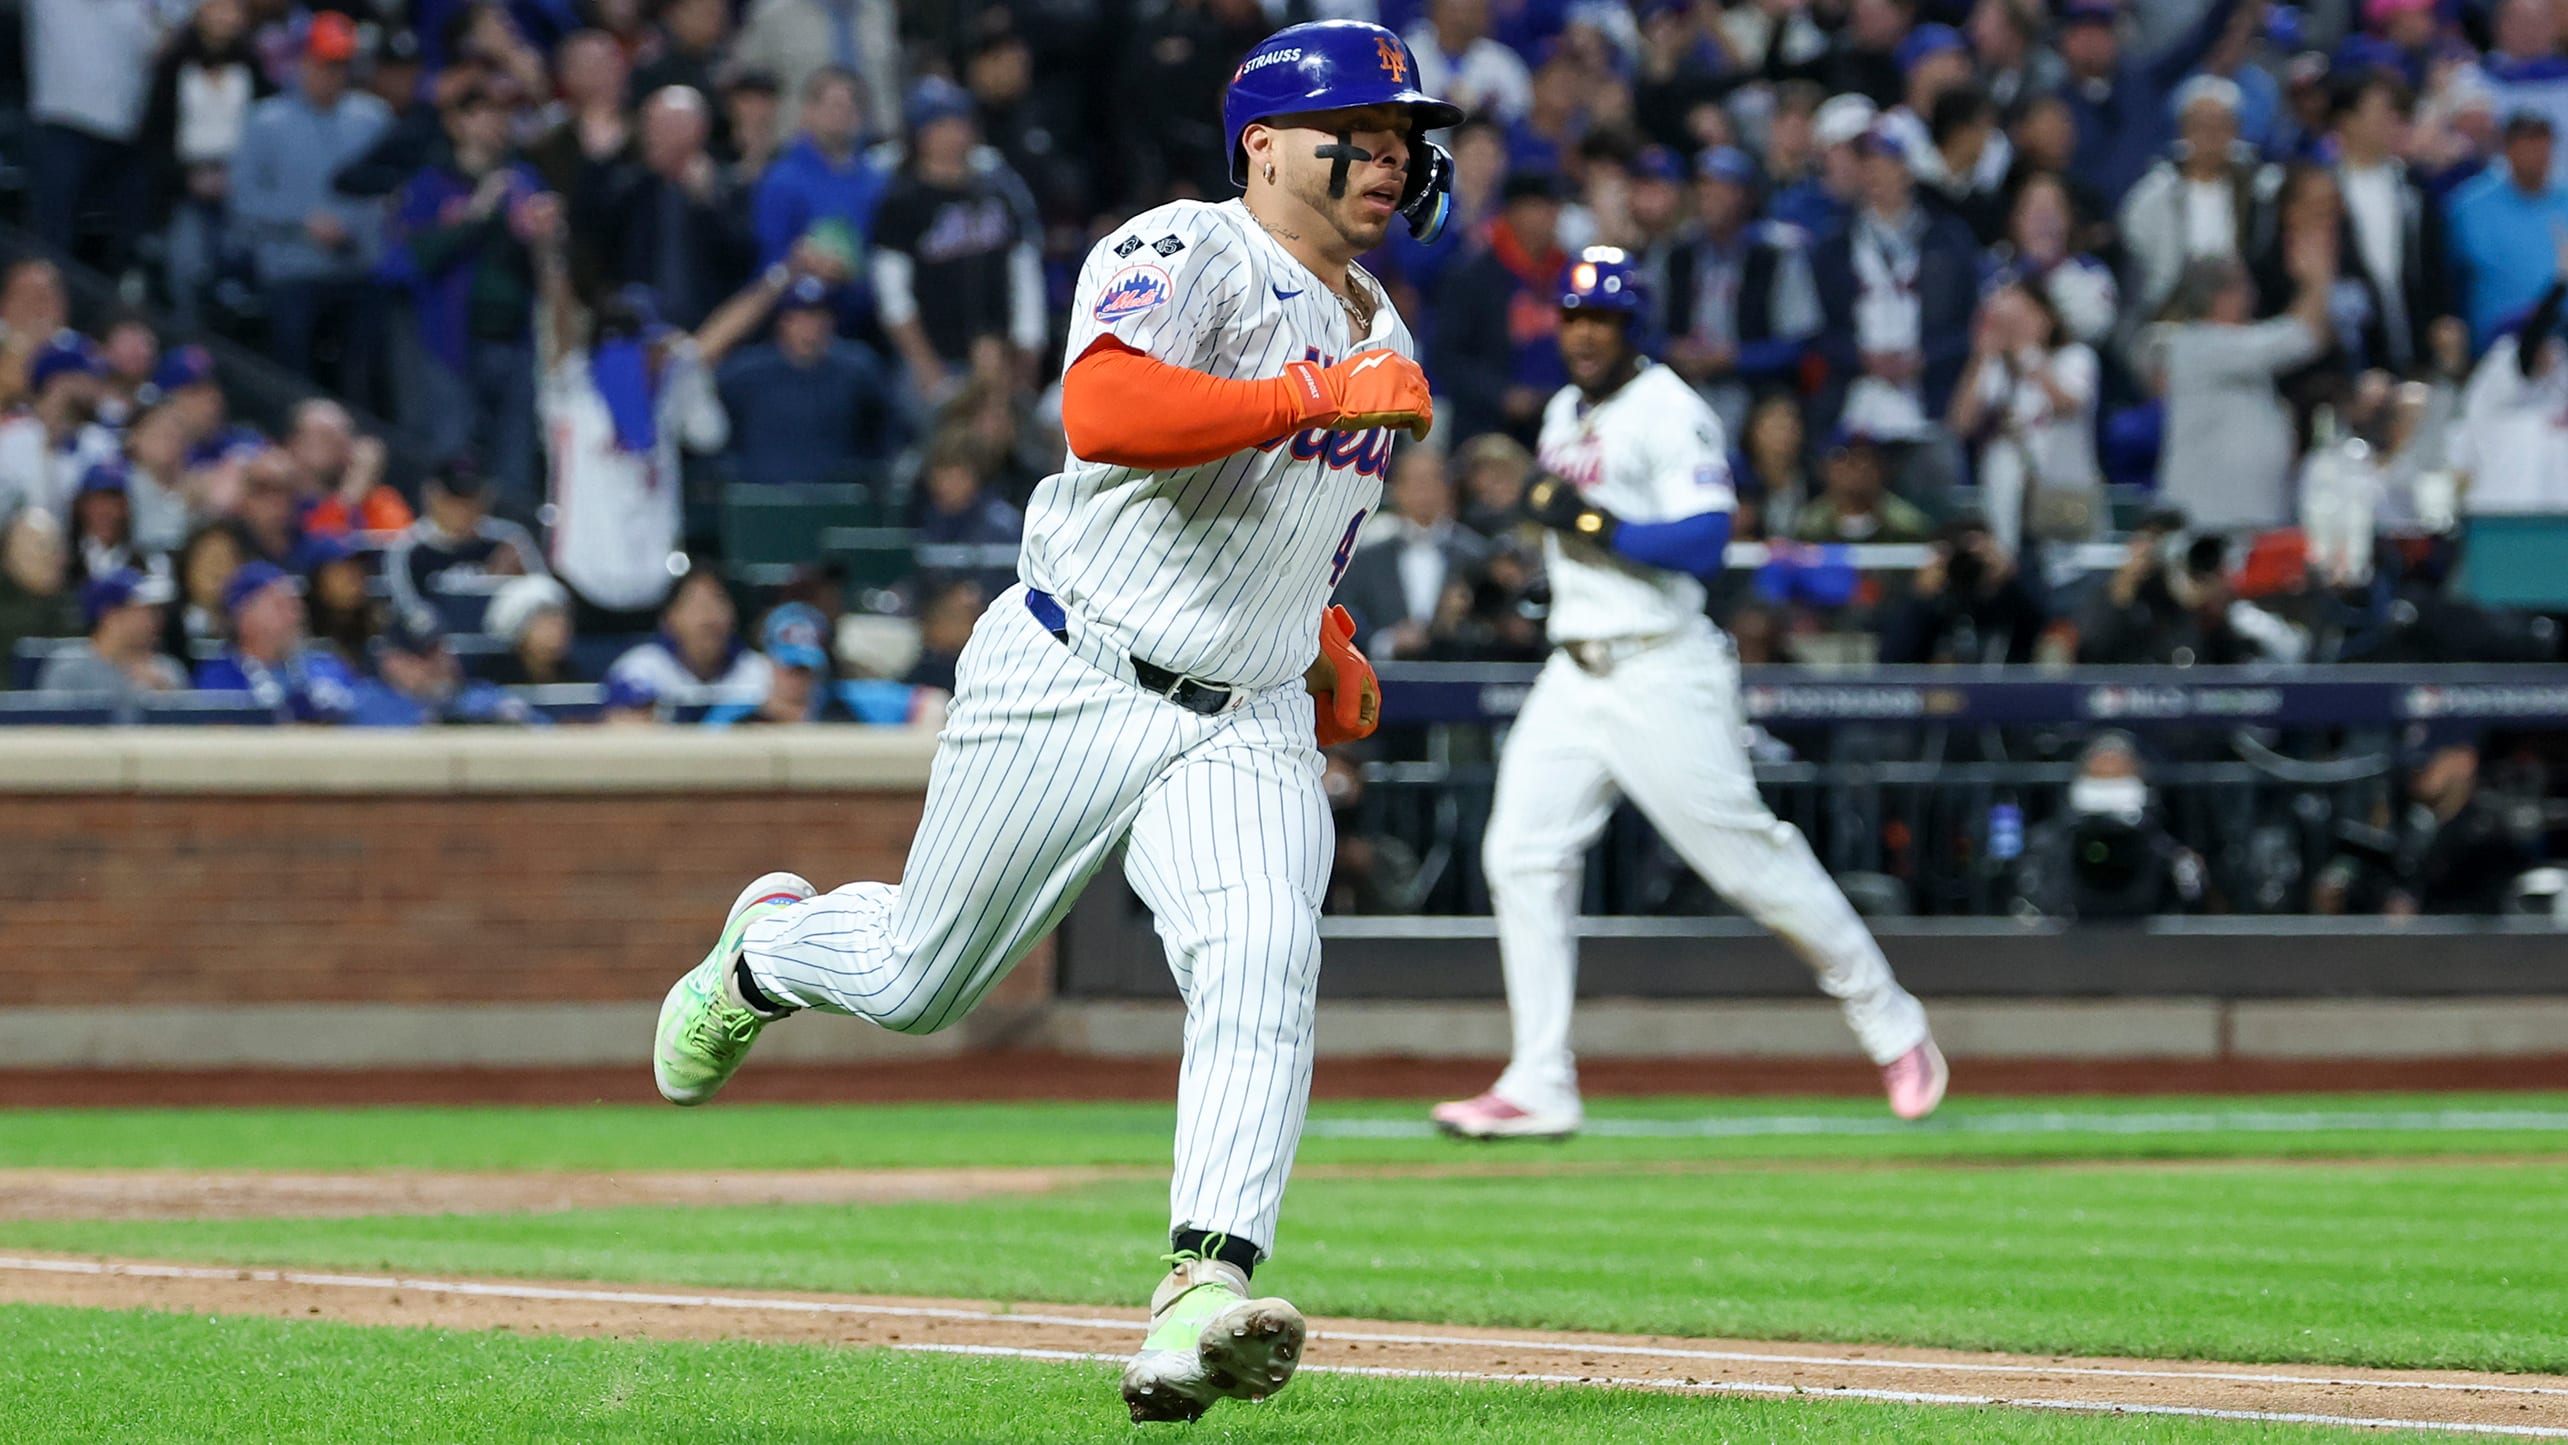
2267 296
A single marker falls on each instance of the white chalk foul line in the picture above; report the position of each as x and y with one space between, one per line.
1761 1388
494 1290
2039 1123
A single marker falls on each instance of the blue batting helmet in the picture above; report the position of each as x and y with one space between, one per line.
1339 65
1603 278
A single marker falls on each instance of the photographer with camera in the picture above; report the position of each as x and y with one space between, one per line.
2171 602
2109 855
1968 604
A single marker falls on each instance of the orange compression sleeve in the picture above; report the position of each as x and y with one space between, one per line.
1127 409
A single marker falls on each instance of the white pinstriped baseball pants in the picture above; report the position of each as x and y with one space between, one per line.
1045 764
1664 728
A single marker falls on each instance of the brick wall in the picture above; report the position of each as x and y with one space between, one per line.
178 899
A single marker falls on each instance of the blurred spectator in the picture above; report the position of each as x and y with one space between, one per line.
2015 63
1458 60
629 704
1546 137
672 221
1494 360
789 39
533 616
2118 102
751 133
808 406
1415 270
2448 851
185 383
1396 582
2205 201
2229 437
35 577
1856 504
2039 251
2392 221
795 640
33 311
2027 400
419 683
1741 306
1821 201
617 409
1961 135
1967 605
1897 288
270 510
964 533
1770 467
128 358
1168 96
199 108
46 449
89 66
1496 468
819 195
2503 224
2045 137
342 473
2110 855
168 499
697 654
2308 205
945 620
345 617
2524 66
203 567
458 233
314 250
120 656
957 255
269 656
2171 604
692 40
595 129
1955 148
456 537
2512 442
102 526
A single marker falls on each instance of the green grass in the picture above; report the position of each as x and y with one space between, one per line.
80 1375
2442 1249
779 1136
2448 1264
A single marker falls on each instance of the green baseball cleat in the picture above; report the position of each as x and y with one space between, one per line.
705 1028
1208 1341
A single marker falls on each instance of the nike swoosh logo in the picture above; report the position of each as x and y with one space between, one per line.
1370 362
1283 295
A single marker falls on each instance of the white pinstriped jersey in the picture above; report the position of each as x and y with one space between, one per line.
1217 571
1651 452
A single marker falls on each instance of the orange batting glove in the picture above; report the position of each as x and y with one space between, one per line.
1342 684
1367 390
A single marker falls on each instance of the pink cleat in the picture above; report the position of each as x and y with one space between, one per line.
1491 1117
1915 1080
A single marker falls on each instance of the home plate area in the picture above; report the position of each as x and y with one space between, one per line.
2512 1406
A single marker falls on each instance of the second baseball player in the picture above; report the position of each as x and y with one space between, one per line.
1641 699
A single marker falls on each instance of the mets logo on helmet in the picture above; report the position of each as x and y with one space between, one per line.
1395 61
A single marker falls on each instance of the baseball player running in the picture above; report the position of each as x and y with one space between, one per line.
1641 697
1233 383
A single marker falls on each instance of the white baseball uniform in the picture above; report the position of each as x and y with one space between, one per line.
1053 754
1659 722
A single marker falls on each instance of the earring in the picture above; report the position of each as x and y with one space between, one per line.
1270 173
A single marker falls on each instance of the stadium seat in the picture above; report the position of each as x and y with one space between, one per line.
873 556
54 710
766 529
209 709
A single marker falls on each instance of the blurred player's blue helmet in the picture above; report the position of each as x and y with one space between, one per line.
1337 65
1603 278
